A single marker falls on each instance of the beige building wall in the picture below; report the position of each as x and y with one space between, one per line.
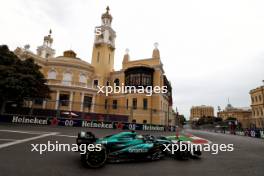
257 105
197 112
71 77
242 115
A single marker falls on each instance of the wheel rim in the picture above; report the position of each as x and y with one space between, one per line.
157 155
95 159
184 155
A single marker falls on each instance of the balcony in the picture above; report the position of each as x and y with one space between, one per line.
54 82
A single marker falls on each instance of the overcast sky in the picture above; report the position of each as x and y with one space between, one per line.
210 49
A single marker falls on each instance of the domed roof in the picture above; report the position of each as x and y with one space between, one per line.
69 60
107 14
69 53
229 107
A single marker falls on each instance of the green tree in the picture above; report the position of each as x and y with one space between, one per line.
19 79
182 119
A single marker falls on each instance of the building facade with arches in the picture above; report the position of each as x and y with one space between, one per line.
257 105
74 82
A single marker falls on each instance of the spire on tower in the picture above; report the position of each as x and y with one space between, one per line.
107 9
126 56
127 50
107 17
155 53
104 34
48 40
46 50
229 106
156 45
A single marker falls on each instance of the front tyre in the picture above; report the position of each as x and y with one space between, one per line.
196 154
182 155
157 155
94 159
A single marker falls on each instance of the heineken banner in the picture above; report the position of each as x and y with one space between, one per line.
72 122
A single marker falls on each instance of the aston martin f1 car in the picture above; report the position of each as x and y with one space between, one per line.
125 146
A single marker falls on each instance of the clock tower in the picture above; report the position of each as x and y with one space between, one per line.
104 47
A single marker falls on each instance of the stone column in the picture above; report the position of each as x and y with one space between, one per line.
31 104
71 98
82 99
93 103
44 104
57 99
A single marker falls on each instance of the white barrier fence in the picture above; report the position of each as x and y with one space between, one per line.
249 133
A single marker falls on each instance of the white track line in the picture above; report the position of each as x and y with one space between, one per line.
25 132
62 135
36 132
25 140
8 139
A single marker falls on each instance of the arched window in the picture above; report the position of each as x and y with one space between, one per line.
67 78
116 82
47 55
52 74
95 83
82 78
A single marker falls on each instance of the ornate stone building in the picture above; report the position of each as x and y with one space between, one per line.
241 114
74 81
201 111
257 105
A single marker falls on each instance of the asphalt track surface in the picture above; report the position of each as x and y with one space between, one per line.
16 158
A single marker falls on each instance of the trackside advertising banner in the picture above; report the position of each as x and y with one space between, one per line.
72 122
257 133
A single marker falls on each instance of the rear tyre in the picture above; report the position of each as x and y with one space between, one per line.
94 159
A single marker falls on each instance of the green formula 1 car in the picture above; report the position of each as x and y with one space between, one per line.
126 146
